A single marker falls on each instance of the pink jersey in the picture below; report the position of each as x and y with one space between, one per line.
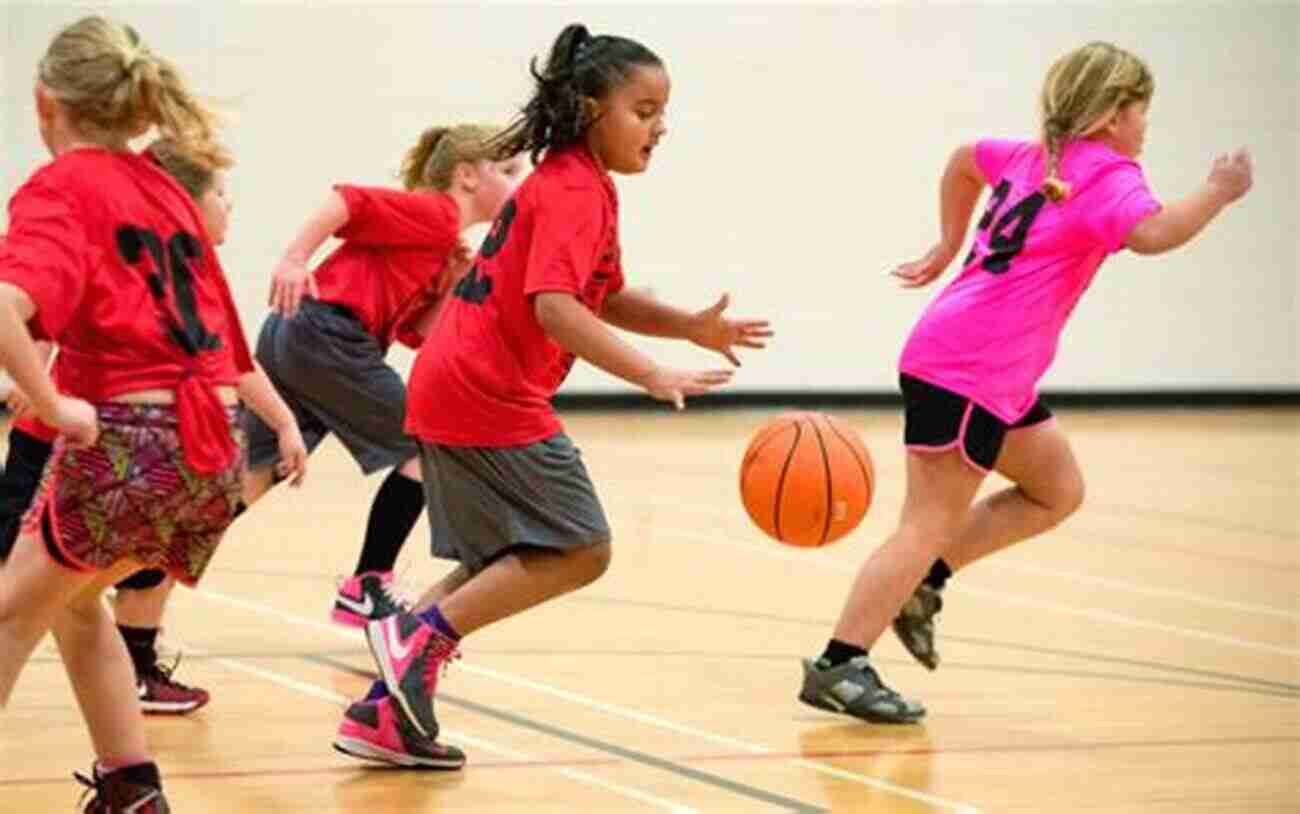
993 331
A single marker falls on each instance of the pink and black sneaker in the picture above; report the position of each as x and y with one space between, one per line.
378 731
365 598
411 654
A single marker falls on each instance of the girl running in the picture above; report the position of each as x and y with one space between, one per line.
106 257
509 497
325 343
139 600
1059 207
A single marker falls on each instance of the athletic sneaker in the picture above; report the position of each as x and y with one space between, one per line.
364 598
410 655
855 689
133 790
914 624
378 731
160 694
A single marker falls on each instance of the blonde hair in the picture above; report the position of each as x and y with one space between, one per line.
1082 91
430 162
112 86
194 175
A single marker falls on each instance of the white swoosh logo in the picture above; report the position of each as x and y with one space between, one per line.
363 608
396 647
139 805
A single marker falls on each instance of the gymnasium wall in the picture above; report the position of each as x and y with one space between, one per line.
804 150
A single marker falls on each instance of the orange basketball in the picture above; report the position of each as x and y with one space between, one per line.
806 479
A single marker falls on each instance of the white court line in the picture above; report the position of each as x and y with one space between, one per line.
1118 585
316 691
822 561
611 709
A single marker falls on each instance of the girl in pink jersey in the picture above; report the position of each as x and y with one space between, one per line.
1059 207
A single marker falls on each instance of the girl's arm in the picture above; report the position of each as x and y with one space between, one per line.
73 418
256 391
641 312
292 279
1230 178
959 191
578 331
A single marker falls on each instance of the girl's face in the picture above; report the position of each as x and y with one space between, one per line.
215 204
497 181
1127 132
630 121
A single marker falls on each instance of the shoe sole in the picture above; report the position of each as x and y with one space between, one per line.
366 751
345 618
819 701
171 708
379 650
930 662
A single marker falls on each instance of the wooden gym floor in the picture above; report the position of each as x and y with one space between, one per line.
1144 657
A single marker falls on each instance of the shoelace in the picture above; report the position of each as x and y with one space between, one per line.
91 787
442 652
166 672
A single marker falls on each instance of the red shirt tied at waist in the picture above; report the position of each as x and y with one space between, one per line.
113 253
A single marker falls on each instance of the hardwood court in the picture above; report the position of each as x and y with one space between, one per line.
1142 658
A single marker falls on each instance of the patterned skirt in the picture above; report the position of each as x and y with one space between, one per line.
132 495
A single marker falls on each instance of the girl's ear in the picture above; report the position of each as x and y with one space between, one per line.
590 111
466 176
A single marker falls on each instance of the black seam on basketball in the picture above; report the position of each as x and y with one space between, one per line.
866 475
780 484
753 453
826 467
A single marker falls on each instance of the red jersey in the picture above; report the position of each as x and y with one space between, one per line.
114 254
487 374
389 269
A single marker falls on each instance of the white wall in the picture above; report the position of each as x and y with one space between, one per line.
802 161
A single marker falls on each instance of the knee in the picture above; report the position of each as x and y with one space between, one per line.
594 561
1068 495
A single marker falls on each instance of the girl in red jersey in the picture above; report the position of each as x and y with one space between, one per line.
509 497
106 257
324 345
139 600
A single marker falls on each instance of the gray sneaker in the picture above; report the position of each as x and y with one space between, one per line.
855 689
914 624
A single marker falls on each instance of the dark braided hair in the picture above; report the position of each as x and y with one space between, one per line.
580 69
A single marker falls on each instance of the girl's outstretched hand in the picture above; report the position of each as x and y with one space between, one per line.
919 273
710 329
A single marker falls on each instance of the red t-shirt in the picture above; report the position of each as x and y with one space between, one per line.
388 270
487 374
114 254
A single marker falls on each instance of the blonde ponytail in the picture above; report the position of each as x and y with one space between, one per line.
431 161
1081 93
113 87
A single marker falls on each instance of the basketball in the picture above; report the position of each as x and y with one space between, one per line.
806 479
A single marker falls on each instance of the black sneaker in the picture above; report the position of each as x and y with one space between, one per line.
855 689
132 790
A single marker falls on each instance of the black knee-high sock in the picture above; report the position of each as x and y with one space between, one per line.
938 576
396 508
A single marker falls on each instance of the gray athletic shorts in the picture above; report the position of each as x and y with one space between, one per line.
483 502
332 374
